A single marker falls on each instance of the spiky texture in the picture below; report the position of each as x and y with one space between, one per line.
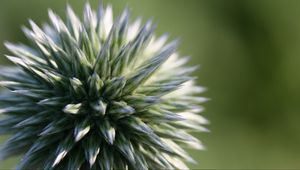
98 94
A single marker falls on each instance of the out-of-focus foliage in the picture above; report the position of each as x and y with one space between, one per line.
248 51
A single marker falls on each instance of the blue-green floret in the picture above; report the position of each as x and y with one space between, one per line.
98 93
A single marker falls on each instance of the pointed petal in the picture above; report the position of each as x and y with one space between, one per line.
92 149
99 107
81 130
72 108
126 148
108 131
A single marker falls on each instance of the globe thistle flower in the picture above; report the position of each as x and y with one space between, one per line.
101 93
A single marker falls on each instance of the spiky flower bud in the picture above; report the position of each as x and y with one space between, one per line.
98 94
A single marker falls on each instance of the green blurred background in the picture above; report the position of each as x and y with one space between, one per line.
249 53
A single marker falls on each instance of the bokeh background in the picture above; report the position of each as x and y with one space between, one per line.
249 54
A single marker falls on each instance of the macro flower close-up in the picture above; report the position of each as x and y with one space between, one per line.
101 92
149 85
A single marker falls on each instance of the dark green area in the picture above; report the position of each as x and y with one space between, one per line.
249 53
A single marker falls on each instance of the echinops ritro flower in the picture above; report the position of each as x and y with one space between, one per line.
101 93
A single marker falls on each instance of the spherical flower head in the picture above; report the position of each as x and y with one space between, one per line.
101 93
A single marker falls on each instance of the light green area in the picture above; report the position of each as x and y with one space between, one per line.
249 55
